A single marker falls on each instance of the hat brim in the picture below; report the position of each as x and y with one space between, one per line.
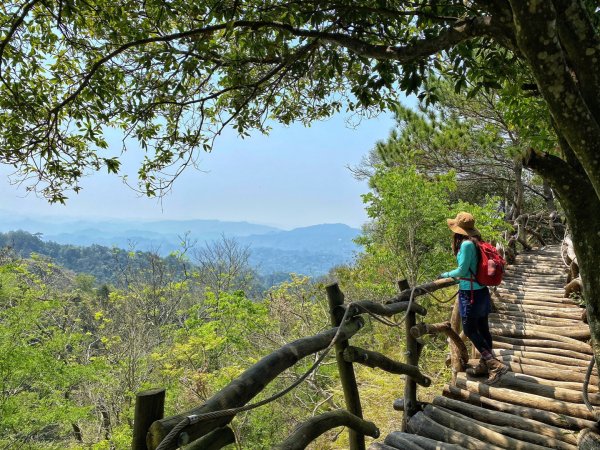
459 230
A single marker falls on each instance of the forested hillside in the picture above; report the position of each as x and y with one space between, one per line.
103 263
92 247
269 262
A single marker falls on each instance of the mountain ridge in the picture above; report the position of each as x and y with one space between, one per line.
311 250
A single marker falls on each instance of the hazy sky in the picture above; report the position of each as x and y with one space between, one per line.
294 177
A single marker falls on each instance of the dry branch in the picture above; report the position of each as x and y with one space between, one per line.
445 328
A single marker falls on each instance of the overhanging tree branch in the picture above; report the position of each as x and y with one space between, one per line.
461 31
565 180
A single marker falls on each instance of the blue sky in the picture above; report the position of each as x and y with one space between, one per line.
294 177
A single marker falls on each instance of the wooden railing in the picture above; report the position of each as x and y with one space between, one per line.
206 427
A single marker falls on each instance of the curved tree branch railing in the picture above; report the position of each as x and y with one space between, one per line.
250 383
377 360
207 423
530 227
316 426
444 328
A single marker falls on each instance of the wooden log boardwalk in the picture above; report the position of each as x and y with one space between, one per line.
539 403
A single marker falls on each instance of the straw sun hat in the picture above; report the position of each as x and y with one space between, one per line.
464 223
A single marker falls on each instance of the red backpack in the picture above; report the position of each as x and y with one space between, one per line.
490 266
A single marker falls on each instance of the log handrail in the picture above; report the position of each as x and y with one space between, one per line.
251 382
445 328
214 440
377 360
422 289
316 426
205 418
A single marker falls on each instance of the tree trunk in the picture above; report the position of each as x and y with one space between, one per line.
549 196
582 208
517 206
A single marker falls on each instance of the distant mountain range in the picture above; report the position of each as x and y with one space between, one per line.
309 250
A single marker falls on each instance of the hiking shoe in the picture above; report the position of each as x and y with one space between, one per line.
479 370
495 371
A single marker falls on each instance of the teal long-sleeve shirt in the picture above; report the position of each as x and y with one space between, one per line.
467 266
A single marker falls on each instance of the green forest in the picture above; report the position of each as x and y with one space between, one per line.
75 351
107 264
505 125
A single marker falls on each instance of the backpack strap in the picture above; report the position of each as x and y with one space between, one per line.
471 280
472 277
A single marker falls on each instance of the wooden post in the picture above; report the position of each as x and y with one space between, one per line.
149 406
456 325
346 370
411 406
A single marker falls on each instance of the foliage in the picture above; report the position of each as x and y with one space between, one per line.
224 264
42 356
409 211
489 221
99 349
172 76
476 137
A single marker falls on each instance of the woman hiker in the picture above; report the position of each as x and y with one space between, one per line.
473 299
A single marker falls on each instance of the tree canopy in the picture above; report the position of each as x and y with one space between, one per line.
171 75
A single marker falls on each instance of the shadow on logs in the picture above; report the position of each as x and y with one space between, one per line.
588 440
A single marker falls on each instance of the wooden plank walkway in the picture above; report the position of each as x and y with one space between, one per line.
538 404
